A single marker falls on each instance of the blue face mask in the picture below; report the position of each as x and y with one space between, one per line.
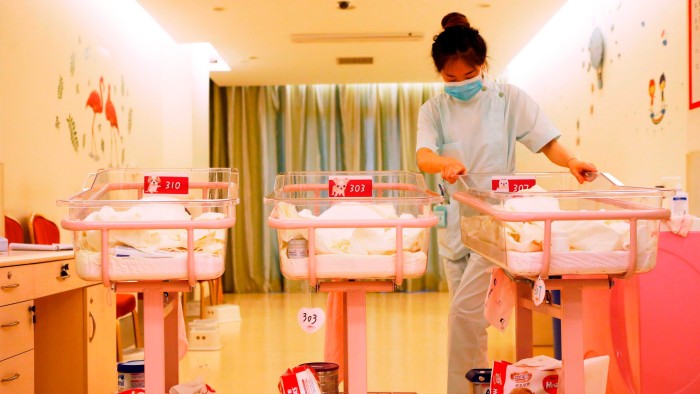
464 90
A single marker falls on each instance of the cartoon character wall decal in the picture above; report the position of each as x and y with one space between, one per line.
94 101
657 118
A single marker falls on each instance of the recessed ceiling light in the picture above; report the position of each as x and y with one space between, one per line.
345 5
218 9
483 5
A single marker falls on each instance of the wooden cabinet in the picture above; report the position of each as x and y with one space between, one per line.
16 329
101 339
58 332
17 374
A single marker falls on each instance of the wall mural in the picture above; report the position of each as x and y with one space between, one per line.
91 116
598 44
657 117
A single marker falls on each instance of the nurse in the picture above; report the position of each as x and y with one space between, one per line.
473 126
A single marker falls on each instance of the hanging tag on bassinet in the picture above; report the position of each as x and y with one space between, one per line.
311 319
538 291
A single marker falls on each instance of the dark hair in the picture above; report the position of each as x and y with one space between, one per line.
458 40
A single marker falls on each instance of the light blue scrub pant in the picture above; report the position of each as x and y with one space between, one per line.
467 340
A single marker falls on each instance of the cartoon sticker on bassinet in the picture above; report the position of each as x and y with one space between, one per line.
338 187
153 183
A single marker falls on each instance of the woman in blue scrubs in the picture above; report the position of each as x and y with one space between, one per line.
473 126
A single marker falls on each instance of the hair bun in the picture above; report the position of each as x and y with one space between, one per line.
454 19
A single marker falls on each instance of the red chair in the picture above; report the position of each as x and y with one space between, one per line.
13 230
126 304
44 231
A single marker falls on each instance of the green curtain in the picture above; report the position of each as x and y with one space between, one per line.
266 130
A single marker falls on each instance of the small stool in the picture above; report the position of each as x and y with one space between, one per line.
223 313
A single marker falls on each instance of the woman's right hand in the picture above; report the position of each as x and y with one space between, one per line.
430 162
452 169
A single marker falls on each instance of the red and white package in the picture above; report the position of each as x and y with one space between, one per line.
507 378
299 380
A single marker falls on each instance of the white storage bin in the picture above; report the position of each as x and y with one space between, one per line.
223 313
204 338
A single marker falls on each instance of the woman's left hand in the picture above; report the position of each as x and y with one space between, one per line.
579 169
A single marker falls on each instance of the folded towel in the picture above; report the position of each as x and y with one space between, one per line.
680 224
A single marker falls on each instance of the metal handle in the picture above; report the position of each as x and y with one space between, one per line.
11 378
94 327
12 286
12 324
62 276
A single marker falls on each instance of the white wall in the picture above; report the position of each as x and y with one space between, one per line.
47 47
612 126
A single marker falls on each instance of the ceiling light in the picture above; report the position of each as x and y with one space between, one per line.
216 62
348 37
345 5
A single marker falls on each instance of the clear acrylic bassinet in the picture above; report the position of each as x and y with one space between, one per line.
350 225
540 224
152 224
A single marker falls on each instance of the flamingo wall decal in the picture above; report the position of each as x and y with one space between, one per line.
94 101
111 115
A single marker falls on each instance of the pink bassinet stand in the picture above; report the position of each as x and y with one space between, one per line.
354 291
570 311
160 296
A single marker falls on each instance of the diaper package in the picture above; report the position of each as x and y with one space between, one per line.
299 380
507 378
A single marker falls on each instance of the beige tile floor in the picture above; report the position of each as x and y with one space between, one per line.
406 343
406 338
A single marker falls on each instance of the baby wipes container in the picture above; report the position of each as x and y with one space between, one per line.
327 376
152 224
540 224
352 225
130 375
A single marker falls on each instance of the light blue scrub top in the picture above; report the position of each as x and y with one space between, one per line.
481 133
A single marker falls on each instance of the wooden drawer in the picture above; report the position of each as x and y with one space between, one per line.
56 277
17 374
16 329
16 284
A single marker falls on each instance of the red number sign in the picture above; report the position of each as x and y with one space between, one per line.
160 184
349 187
512 183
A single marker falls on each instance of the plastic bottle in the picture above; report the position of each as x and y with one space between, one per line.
679 202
